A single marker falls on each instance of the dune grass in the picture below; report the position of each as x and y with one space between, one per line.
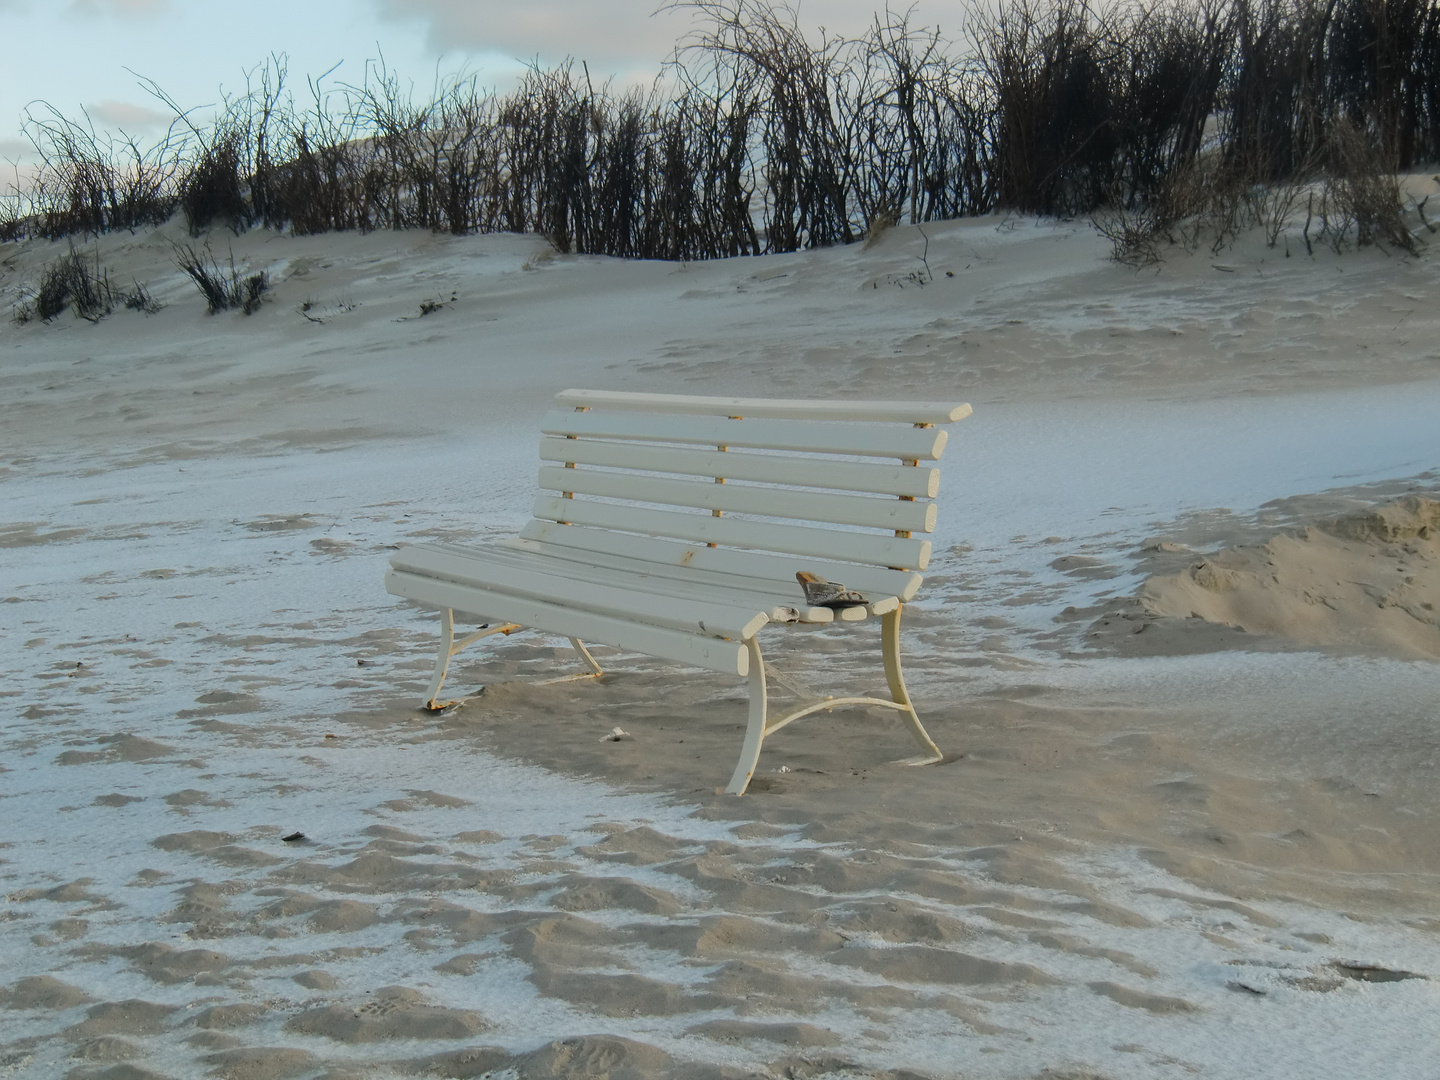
76 283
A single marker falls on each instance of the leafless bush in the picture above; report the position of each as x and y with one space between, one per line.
1362 194
1174 121
139 299
70 282
90 183
1383 74
223 288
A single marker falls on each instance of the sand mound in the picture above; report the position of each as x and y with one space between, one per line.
130 1017
608 1056
393 1012
120 747
168 965
214 845
1366 582
43 992
261 1063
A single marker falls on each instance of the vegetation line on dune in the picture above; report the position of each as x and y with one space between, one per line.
763 138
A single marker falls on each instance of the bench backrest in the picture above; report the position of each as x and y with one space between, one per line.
758 486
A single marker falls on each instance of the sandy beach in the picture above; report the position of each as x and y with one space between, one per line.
1179 642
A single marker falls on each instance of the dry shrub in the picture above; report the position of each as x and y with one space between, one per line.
1362 194
88 183
223 288
72 282
768 137
82 285
214 189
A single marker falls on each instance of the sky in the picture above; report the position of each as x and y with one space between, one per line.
92 55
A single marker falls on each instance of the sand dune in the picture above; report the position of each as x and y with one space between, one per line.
1137 857
1367 582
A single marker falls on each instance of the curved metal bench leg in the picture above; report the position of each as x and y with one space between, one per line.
442 661
589 660
449 647
890 648
755 732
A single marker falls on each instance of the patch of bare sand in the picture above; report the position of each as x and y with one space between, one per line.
1032 778
1366 582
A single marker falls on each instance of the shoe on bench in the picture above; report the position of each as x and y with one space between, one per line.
828 594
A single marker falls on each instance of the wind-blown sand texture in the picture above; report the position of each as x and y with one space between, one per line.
1368 582
1207 848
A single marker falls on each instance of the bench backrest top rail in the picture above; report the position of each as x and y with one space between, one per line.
905 412
907 443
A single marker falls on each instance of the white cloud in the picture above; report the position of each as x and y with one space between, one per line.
127 115
622 31
619 34
125 9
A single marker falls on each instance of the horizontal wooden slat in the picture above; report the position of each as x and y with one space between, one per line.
860 440
860 510
917 482
633 592
713 617
688 581
874 580
714 654
781 601
794 539
905 412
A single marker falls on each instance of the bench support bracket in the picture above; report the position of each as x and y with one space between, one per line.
449 647
761 725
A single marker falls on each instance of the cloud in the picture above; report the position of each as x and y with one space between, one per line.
125 9
127 115
617 33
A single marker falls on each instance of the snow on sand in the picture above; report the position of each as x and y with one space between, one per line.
1191 848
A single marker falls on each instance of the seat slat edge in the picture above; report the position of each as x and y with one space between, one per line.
714 654
692 615
745 595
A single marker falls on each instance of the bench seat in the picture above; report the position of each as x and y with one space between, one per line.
629 549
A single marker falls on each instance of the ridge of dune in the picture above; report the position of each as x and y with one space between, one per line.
1366 582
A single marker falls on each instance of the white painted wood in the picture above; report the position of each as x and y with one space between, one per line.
905 412
652 581
861 510
782 598
860 440
902 552
714 654
570 569
782 601
916 482
780 569
715 617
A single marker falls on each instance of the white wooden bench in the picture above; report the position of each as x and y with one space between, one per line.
674 526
